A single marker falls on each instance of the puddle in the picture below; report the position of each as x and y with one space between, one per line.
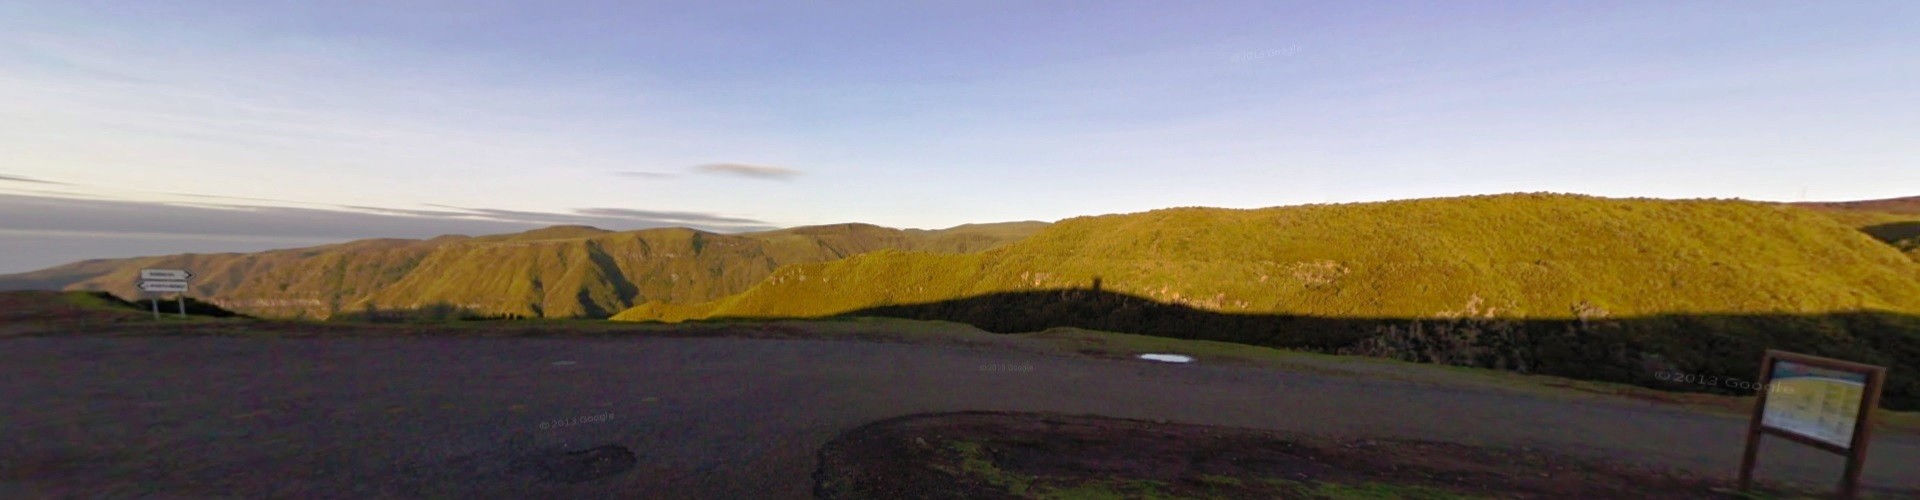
1167 358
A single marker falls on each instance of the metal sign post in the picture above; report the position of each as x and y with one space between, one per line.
1820 402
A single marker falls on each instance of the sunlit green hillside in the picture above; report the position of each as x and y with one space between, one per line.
1522 256
1594 288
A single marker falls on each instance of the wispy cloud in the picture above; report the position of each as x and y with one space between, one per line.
745 170
733 169
410 212
47 213
675 217
222 197
56 229
30 180
617 218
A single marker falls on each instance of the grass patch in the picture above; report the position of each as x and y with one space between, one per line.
975 463
1113 489
1382 491
1218 480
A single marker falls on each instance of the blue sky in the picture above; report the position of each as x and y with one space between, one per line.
914 114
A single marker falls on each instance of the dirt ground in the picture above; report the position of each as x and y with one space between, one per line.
477 417
1039 455
111 404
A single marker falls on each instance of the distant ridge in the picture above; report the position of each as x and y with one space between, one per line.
1909 205
554 233
560 271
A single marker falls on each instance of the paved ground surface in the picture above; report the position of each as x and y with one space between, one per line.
701 417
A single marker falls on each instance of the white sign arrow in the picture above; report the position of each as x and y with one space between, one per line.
165 274
163 286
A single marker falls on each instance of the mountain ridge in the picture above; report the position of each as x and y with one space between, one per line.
1475 237
576 270
557 271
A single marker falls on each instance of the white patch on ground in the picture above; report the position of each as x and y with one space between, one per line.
1167 358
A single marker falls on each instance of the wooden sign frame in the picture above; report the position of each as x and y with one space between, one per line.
1856 451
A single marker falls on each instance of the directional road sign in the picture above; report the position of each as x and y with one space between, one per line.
163 286
165 274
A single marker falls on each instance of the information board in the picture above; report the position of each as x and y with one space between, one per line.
1821 402
1818 403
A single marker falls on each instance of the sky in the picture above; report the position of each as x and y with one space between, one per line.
135 128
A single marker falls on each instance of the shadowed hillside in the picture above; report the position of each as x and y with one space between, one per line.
1901 234
562 271
30 312
1614 349
20 309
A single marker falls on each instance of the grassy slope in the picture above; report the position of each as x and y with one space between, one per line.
1525 256
29 306
42 312
278 281
558 271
